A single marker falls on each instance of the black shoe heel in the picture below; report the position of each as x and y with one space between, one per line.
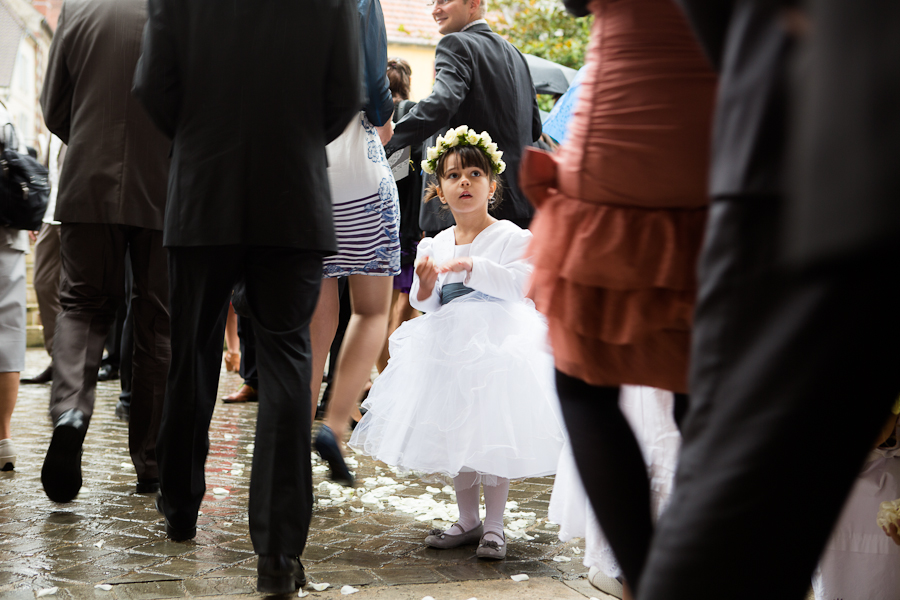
327 447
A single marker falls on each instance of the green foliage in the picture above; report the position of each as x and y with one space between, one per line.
542 28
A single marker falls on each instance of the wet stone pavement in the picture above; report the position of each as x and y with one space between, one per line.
369 537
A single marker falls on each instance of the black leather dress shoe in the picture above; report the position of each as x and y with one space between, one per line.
147 486
328 449
45 376
61 473
107 373
176 534
279 574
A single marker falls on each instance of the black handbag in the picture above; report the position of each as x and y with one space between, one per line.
24 188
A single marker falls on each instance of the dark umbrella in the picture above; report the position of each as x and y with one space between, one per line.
548 76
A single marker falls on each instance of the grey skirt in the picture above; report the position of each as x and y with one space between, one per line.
12 310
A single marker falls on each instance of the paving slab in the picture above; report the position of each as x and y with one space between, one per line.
110 535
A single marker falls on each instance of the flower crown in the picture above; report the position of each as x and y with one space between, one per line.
463 136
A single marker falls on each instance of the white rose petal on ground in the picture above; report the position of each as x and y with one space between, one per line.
348 589
220 492
561 559
47 592
576 551
125 465
103 586
520 577
319 587
100 543
302 594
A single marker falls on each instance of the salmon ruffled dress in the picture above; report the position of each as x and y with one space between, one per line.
622 204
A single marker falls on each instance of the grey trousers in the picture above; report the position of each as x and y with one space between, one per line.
46 280
92 288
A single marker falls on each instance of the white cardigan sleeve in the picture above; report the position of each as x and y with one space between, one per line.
433 302
506 277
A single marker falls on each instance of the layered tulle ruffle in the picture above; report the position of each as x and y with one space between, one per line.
468 388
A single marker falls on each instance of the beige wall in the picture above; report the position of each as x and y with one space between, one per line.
421 59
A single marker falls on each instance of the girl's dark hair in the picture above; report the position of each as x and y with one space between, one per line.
398 74
467 156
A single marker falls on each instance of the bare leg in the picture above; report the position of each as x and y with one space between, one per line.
321 332
382 361
401 312
232 341
370 297
9 391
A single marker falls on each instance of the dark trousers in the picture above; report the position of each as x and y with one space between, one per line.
793 373
248 352
282 288
126 361
92 287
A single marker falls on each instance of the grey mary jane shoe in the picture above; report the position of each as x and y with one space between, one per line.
441 539
491 548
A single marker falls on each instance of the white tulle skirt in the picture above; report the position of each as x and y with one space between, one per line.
649 412
468 388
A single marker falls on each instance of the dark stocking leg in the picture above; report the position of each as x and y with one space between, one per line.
612 469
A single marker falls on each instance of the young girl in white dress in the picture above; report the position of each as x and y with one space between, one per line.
468 392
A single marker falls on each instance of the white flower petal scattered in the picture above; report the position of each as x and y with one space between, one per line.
561 559
576 551
103 586
520 577
348 589
47 592
100 543
303 594
126 465
220 492
320 587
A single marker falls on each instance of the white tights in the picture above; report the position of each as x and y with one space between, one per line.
467 496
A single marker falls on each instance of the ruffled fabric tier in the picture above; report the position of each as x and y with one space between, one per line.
468 388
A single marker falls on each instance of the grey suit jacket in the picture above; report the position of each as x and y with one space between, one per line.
117 161
482 81
250 92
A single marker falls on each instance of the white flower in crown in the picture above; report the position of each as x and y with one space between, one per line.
491 147
486 137
426 166
432 153
473 138
461 130
453 141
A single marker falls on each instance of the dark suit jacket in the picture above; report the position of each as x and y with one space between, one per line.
482 81
749 48
847 153
117 161
250 92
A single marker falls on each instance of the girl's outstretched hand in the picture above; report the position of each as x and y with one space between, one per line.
427 273
456 264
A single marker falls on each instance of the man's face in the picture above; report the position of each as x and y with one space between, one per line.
452 15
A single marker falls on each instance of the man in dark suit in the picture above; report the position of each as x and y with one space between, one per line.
794 364
112 197
482 81
249 114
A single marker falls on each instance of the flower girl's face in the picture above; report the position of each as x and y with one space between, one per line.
465 188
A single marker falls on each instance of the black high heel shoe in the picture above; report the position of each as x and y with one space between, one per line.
327 447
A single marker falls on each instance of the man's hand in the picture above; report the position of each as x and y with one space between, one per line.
427 274
386 132
32 235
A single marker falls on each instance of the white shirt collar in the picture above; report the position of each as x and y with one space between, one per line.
473 23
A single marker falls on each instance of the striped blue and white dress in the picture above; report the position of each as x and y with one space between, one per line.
365 203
